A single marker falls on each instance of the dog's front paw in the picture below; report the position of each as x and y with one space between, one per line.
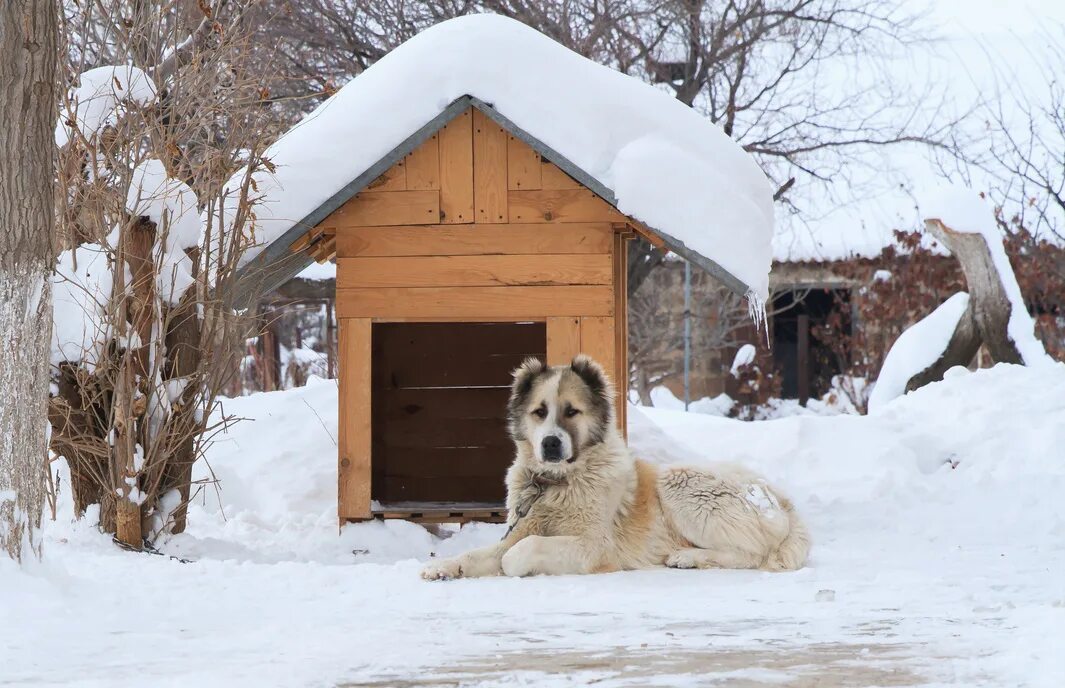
448 569
682 560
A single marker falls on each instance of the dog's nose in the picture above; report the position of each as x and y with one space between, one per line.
552 448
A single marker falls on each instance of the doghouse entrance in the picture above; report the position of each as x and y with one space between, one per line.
439 395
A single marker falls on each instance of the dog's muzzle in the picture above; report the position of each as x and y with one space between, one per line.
551 448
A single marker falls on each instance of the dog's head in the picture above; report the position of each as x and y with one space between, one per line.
560 411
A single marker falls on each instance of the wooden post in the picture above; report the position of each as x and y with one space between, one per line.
621 333
330 343
355 422
271 354
803 358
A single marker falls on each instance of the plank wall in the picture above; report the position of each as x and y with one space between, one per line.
472 226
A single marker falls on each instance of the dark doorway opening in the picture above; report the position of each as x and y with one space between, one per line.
806 362
439 396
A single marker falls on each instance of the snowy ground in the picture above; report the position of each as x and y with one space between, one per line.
922 573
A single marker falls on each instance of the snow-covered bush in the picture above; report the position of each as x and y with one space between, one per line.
155 121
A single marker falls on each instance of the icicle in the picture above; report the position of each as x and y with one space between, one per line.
756 312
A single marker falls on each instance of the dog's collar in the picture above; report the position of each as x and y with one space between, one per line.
543 480
538 482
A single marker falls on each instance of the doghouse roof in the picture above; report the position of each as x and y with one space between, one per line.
644 152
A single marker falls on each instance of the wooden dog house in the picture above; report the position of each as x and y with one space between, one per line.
466 248
473 248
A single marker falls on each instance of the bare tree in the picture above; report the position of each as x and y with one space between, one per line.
28 49
151 134
1026 155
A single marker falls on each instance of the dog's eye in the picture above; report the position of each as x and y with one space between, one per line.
540 413
571 412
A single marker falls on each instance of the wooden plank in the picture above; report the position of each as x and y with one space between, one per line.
443 342
643 230
475 302
446 403
456 515
560 205
456 170
421 356
563 339
621 315
423 166
489 170
394 179
355 432
493 371
425 488
597 341
415 432
553 178
458 462
444 240
523 165
324 250
382 208
458 271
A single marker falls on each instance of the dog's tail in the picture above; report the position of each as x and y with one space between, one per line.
791 553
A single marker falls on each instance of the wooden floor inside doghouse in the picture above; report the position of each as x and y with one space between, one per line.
439 440
442 512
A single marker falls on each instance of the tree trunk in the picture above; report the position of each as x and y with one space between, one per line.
28 49
988 303
985 321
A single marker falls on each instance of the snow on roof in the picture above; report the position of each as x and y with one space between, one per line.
667 165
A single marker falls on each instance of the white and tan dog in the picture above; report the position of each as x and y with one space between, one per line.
579 503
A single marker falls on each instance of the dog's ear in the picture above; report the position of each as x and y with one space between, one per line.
594 376
524 377
525 374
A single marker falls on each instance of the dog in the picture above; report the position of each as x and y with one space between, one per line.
579 503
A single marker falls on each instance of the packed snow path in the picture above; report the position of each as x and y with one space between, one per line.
939 559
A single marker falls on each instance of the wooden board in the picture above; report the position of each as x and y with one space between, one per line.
377 208
523 165
423 166
354 455
475 302
415 432
457 271
560 205
553 178
439 416
461 355
445 462
446 402
444 489
489 170
621 339
433 513
456 170
563 339
394 179
597 340
444 240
